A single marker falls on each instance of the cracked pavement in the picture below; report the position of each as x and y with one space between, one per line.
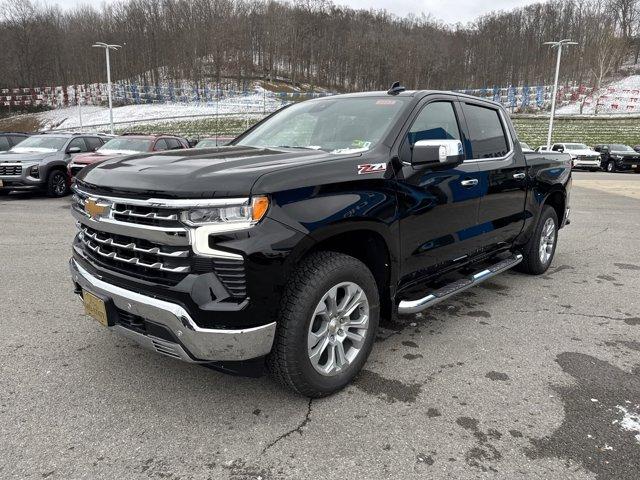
521 377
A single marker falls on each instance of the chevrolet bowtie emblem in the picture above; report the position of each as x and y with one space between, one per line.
94 209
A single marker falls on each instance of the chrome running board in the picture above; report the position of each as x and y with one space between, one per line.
407 307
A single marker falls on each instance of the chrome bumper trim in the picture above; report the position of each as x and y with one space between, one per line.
165 236
205 344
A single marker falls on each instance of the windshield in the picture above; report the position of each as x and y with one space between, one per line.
575 146
125 145
340 125
40 143
621 148
525 146
208 143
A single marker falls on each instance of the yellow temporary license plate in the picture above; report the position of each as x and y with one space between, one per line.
95 307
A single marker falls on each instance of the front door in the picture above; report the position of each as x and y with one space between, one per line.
438 205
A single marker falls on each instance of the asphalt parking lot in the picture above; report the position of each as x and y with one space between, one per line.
522 377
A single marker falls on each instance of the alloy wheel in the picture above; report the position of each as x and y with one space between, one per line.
338 328
59 184
547 240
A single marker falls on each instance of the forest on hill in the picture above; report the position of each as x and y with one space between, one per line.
312 41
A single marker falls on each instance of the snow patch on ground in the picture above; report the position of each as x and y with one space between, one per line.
630 421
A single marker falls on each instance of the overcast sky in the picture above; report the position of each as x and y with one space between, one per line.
454 11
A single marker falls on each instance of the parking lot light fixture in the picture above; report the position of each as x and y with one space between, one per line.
108 47
559 44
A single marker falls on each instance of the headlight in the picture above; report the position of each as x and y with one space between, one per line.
616 157
228 214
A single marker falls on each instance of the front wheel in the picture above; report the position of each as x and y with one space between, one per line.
327 324
611 167
57 185
541 247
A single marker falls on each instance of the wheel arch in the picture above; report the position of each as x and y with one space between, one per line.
557 199
370 243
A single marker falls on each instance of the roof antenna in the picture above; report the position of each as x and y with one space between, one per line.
396 88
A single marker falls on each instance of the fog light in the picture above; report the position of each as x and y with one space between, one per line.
34 171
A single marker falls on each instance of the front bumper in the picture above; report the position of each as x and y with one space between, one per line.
23 179
583 163
185 340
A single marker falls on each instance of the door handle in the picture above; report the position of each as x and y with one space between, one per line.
472 182
520 176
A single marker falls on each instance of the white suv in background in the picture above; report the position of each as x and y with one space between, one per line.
581 155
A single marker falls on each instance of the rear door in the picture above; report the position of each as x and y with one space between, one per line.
502 168
438 204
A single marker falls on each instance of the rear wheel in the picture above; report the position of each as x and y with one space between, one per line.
327 324
57 185
611 167
539 251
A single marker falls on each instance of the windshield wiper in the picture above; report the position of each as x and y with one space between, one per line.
296 146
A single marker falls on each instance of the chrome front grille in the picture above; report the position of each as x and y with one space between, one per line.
145 215
146 240
10 169
135 252
121 211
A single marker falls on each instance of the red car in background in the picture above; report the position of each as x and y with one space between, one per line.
127 144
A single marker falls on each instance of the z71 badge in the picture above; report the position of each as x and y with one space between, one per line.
371 168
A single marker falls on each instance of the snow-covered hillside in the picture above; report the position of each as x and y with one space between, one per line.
241 105
622 96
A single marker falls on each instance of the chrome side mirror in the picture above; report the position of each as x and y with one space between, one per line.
437 152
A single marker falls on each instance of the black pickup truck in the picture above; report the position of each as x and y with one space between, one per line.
285 249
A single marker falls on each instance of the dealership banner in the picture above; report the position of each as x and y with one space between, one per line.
525 98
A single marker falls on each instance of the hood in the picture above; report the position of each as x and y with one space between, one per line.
205 173
625 153
13 157
587 152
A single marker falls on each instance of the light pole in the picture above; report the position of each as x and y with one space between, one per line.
108 47
559 46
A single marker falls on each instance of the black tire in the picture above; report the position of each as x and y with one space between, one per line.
611 166
57 184
289 362
532 262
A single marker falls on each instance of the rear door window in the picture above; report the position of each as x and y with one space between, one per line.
79 143
173 144
487 135
161 145
93 143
